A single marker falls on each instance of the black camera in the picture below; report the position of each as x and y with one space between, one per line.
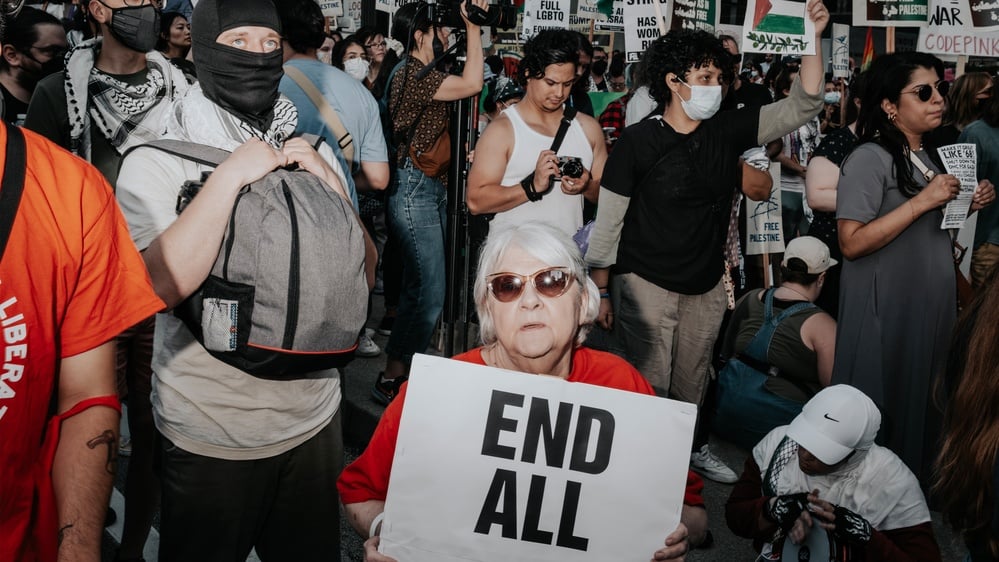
502 15
571 166
189 190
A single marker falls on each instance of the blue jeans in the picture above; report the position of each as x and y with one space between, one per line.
417 211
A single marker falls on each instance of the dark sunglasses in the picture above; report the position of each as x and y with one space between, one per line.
925 91
552 282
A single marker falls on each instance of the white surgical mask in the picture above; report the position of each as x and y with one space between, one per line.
325 57
703 103
356 68
831 97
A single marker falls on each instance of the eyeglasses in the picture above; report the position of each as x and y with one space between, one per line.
924 91
380 45
618 85
551 282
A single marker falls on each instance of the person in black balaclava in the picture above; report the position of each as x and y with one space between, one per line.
245 463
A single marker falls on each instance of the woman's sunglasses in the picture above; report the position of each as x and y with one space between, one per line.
552 282
925 91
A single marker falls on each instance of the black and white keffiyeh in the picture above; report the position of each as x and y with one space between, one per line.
196 118
126 115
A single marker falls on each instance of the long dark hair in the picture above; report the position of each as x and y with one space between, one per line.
886 78
963 482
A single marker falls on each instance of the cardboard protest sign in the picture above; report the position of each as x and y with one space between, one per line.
840 50
331 8
957 27
764 234
588 10
644 22
961 161
695 14
616 20
890 13
386 6
352 19
545 14
778 26
498 465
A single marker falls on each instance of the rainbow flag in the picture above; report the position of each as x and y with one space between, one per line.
868 50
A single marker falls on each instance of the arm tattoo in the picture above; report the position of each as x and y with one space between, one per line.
62 531
107 437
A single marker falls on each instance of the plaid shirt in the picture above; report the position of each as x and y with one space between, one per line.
613 116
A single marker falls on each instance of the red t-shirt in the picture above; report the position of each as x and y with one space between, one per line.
70 280
367 478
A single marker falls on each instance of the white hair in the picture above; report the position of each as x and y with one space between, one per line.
547 244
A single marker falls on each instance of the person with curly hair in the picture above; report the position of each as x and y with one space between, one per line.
966 476
665 202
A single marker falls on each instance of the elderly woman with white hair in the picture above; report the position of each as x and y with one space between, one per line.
535 304
821 483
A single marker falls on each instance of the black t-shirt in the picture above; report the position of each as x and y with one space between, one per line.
12 107
748 95
674 230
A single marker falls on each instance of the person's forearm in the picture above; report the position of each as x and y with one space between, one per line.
373 176
361 515
606 235
82 477
780 118
495 198
474 60
180 259
857 242
790 164
696 520
812 74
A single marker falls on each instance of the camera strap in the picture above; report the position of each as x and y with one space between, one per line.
563 127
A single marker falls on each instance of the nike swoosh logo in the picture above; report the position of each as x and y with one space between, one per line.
826 416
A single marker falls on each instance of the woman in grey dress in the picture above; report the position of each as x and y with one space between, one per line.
898 300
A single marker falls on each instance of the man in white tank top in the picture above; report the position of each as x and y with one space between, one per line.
515 174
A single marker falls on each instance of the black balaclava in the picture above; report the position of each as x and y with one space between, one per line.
243 82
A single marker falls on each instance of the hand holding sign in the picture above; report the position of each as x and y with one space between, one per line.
985 195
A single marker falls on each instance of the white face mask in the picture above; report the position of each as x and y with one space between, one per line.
325 57
356 68
703 103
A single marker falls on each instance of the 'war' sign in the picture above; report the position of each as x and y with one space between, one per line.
498 465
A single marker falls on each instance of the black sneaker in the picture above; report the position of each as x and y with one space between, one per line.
385 326
386 390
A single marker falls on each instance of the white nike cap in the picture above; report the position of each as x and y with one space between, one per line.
835 422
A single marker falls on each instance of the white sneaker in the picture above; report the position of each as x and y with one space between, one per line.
366 347
711 467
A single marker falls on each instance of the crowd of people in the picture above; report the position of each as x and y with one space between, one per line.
856 381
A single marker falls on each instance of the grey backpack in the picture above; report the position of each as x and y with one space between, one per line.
287 295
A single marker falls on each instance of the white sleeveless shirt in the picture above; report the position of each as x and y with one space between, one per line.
562 211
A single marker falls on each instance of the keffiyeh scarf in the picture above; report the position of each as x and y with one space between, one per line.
126 115
195 118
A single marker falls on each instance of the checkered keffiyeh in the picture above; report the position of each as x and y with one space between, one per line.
126 115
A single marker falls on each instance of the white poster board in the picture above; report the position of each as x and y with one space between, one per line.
587 9
545 14
615 22
956 29
331 8
840 51
764 233
498 465
961 161
642 25
388 6
351 21
778 26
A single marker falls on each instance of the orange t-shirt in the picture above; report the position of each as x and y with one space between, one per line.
70 280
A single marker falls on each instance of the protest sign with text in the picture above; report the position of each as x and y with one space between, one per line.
959 28
615 22
644 22
695 14
499 465
889 13
778 26
961 161
840 50
545 14
764 234
331 8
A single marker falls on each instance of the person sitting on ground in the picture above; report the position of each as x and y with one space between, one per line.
531 271
779 347
822 480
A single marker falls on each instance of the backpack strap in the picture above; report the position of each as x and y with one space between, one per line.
758 348
12 185
344 140
192 151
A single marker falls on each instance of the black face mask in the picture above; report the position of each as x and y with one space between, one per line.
599 68
135 27
243 82
55 63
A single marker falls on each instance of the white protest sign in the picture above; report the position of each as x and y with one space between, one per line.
386 6
957 29
331 8
643 23
587 9
840 50
763 221
615 22
352 19
545 14
961 161
890 13
778 26
498 465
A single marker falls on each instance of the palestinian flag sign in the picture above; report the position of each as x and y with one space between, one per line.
778 26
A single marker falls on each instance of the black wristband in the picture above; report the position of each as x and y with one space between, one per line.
528 185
